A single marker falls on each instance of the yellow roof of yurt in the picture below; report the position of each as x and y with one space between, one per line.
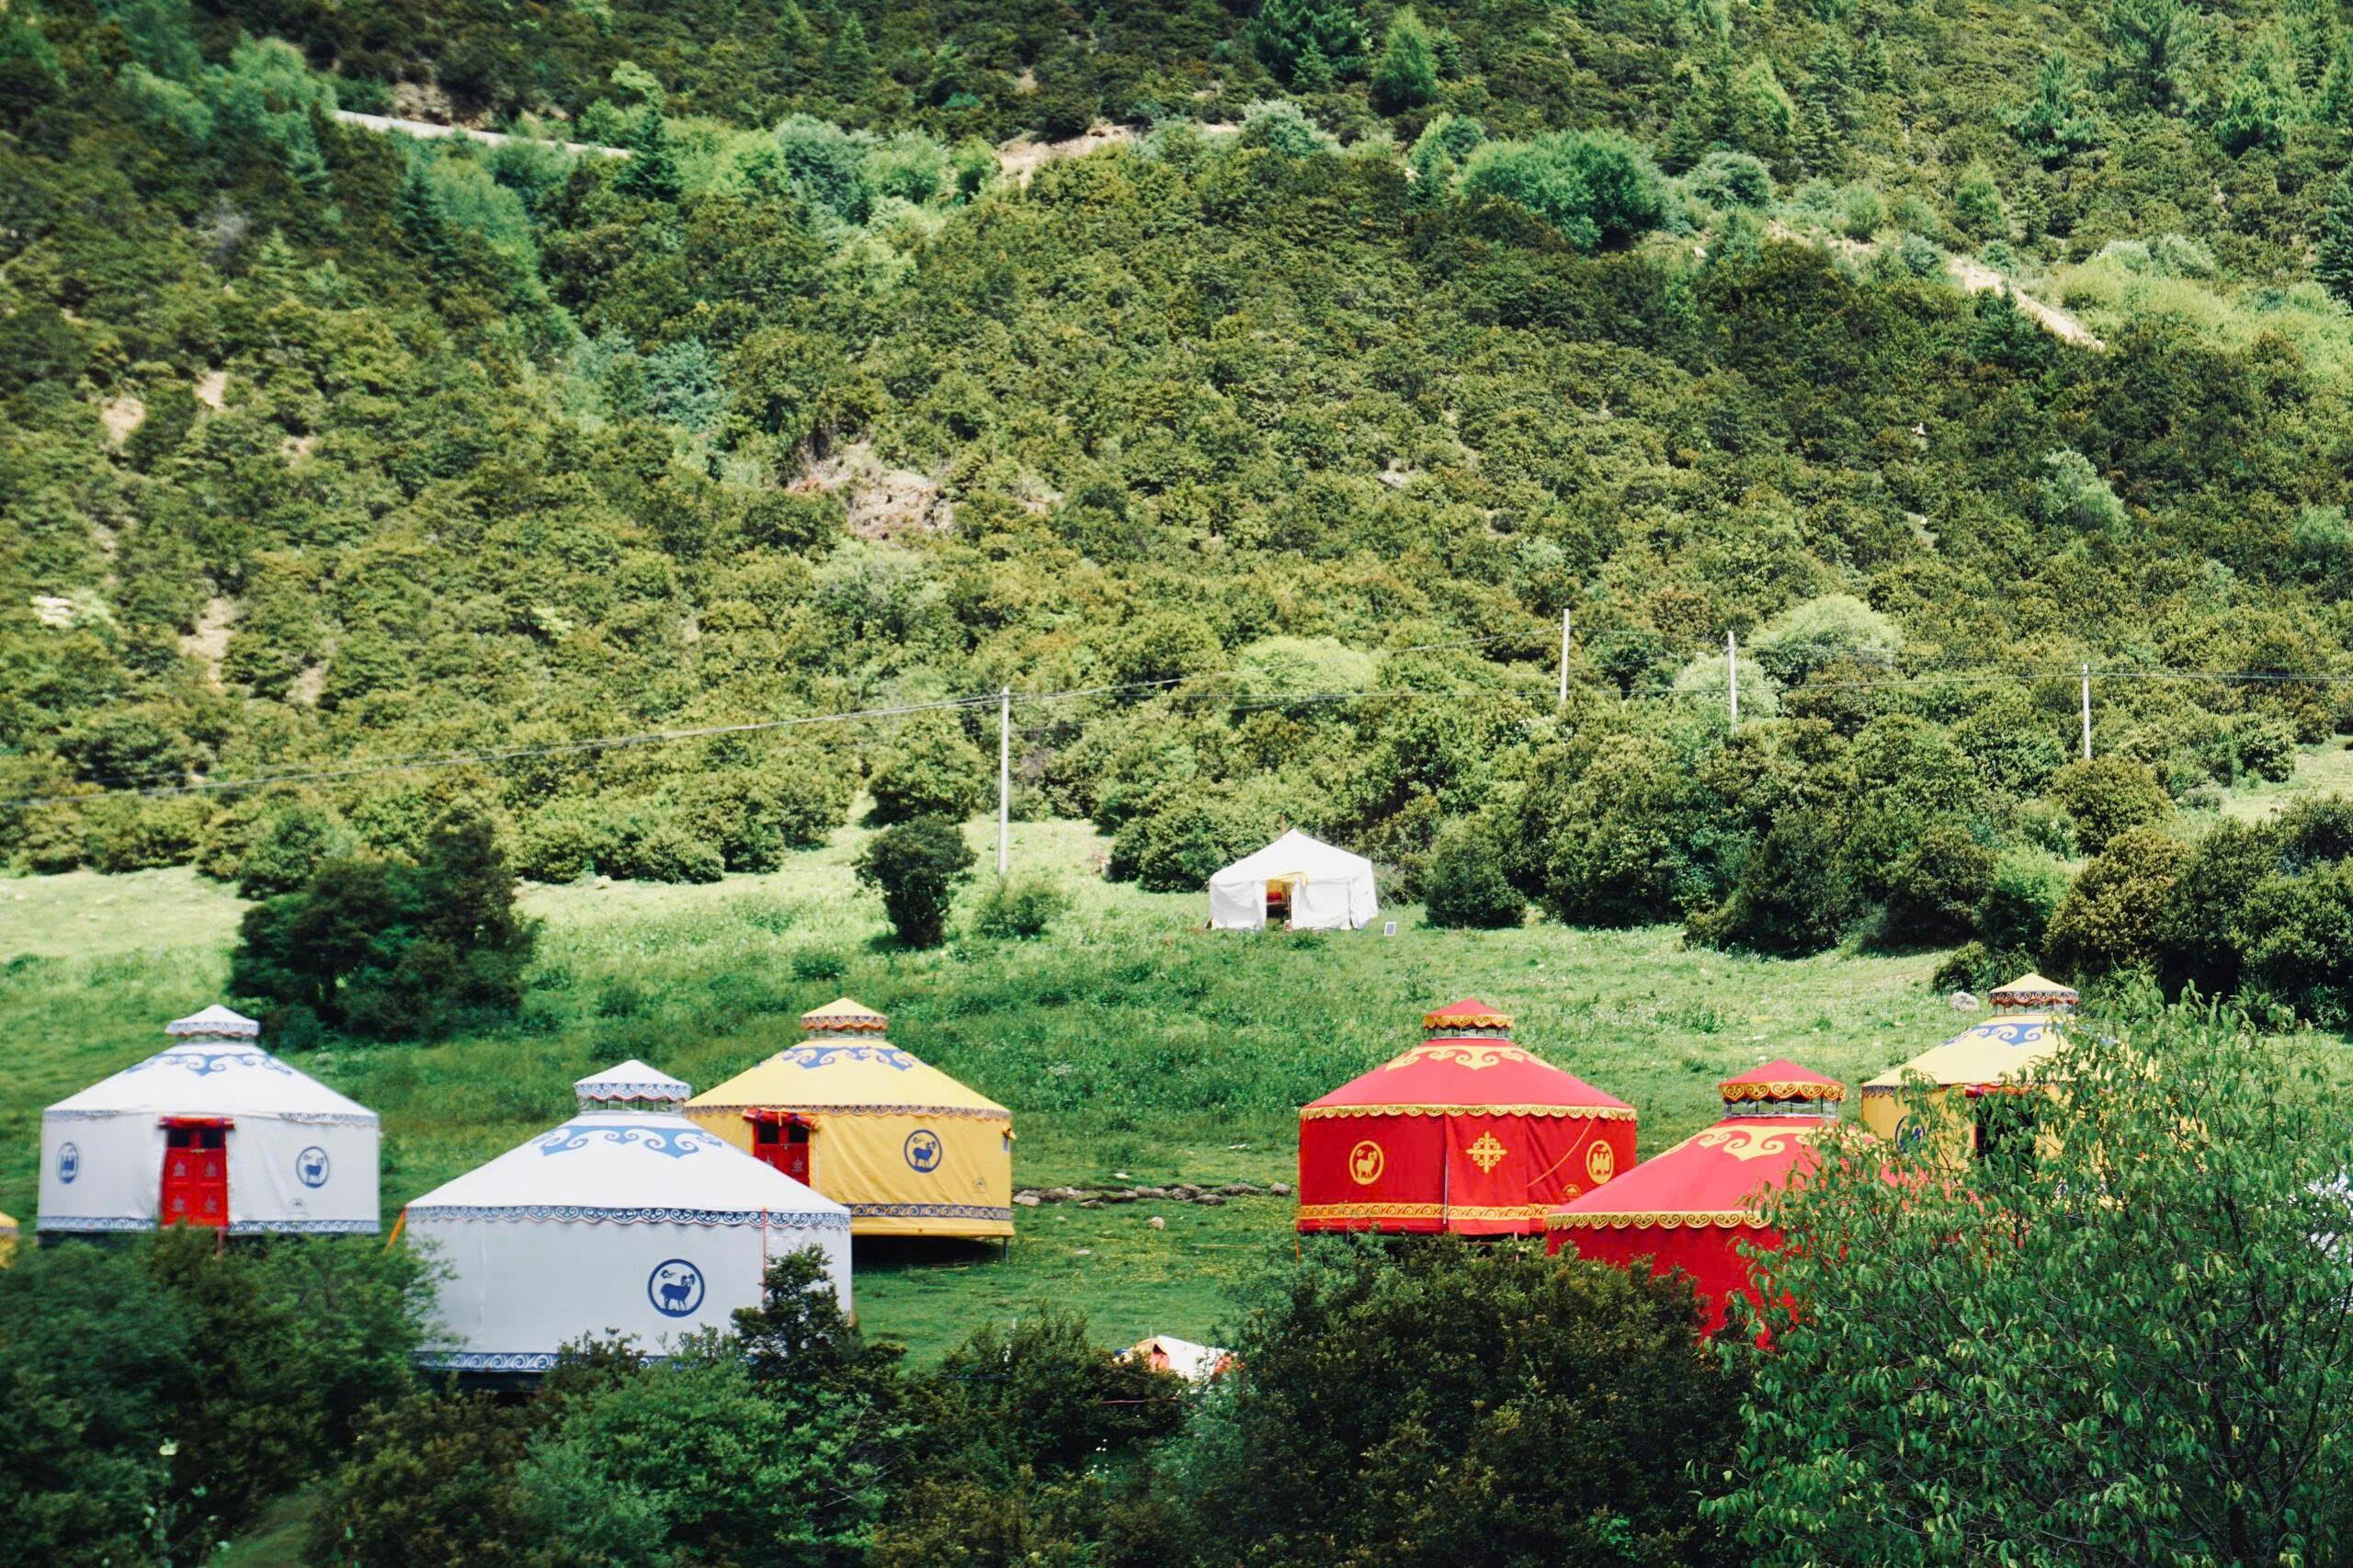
844 1064
2007 1045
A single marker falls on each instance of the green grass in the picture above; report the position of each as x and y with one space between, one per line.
2326 771
1129 1041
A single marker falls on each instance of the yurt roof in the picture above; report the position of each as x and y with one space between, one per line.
1711 1178
2031 990
847 1067
1294 853
2004 1047
215 1022
628 1166
1780 1079
1450 1074
213 1072
632 1080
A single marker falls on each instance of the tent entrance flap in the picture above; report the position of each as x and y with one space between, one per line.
196 1170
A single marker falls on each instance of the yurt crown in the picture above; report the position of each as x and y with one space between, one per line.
631 1083
1467 1019
844 1020
1780 1088
215 1022
2032 993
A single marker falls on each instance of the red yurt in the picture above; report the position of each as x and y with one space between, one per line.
1692 1206
1465 1133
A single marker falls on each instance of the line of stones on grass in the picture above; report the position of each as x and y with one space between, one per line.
1182 1192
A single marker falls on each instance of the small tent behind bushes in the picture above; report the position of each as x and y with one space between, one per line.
1298 882
1999 1056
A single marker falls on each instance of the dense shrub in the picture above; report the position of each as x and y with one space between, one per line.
162 1389
2023 891
1295 1460
1934 892
2108 795
1597 187
429 1478
383 948
1836 629
1467 881
929 769
288 848
1792 897
917 866
2111 917
1020 907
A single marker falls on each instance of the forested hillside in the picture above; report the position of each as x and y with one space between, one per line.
1369 341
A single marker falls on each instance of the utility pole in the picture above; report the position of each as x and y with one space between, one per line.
1565 655
1731 677
1004 780
2087 711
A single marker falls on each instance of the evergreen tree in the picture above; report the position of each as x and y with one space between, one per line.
2149 46
1977 202
650 173
2332 104
423 218
2334 265
2053 125
1289 37
1826 117
1406 76
2263 102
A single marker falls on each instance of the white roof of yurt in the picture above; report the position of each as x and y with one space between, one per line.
214 1067
1295 853
630 1166
631 1081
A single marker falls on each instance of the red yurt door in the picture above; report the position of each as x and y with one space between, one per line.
196 1170
784 1144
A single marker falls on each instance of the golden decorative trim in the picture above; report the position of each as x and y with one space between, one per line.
1726 1220
1746 1144
1790 1090
1588 1112
1420 1211
1472 1055
1466 1020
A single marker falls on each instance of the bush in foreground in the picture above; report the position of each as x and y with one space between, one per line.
917 866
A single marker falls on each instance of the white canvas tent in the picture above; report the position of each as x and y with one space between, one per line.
1327 889
624 1221
214 1130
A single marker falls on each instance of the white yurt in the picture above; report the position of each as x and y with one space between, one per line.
1298 882
209 1131
627 1219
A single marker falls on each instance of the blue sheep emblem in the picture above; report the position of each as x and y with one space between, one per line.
675 1288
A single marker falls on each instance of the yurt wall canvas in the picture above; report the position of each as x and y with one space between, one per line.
1327 887
297 1156
623 1220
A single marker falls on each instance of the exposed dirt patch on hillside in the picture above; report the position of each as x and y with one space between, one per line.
881 500
1978 278
121 417
209 644
212 388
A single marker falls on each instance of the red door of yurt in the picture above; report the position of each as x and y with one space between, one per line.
782 1142
196 1170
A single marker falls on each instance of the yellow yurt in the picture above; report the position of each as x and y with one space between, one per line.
1998 1056
910 1150
9 1233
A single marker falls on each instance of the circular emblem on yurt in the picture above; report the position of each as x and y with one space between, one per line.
1365 1162
675 1288
923 1150
1600 1163
311 1166
69 1162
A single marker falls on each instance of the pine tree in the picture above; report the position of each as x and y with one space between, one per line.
2333 104
1826 117
2263 102
1406 76
2149 45
2054 126
651 174
1977 202
2334 265
423 218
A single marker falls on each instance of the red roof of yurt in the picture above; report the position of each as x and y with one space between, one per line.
1468 1062
1465 1133
1692 1206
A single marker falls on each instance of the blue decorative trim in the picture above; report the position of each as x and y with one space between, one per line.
589 1089
485 1360
89 1115
307 1117
582 1215
976 1113
204 1063
95 1222
305 1228
815 1056
929 1212
674 1143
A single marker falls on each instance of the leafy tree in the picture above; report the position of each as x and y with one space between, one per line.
1437 152
1967 1339
1468 882
2108 795
428 1478
2074 494
1598 189
1936 890
2022 895
1732 179
650 172
1977 202
1835 628
1293 1461
1406 74
1793 896
289 848
917 866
